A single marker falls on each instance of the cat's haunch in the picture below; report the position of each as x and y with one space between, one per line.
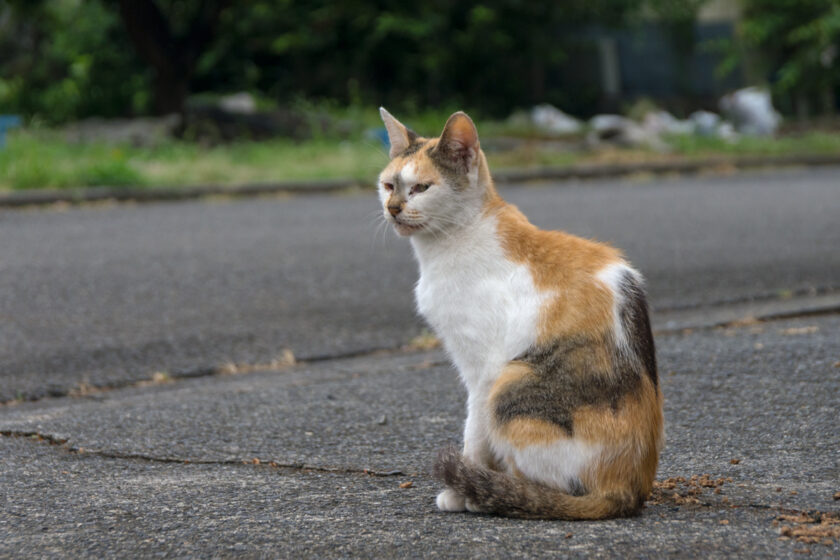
550 334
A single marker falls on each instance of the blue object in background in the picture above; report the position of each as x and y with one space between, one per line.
378 134
7 122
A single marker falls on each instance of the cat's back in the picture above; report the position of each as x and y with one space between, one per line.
584 283
554 257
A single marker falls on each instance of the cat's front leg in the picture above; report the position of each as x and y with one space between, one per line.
476 450
476 434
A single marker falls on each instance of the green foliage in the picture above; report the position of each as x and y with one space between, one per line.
64 59
797 41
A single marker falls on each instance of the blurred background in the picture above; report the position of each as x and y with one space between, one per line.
157 93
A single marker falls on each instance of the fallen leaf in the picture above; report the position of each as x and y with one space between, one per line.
800 330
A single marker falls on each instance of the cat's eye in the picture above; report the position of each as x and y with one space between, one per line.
388 187
423 187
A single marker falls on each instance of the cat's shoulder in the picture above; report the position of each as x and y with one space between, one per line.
526 243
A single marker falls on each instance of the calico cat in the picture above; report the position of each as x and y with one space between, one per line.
549 332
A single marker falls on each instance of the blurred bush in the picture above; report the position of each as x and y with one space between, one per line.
795 46
65 59
62 60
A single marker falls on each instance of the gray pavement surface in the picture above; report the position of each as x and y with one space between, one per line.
109 295
170 469
308 460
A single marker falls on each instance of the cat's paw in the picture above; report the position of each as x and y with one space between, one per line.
449 500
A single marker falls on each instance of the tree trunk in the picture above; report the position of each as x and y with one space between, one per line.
170 89
173 58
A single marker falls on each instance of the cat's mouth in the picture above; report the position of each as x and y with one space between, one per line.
405 229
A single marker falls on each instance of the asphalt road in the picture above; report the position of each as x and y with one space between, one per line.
109 295
308 460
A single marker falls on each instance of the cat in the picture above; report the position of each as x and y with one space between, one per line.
549 332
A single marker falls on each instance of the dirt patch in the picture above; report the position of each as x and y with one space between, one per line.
680 490
809 528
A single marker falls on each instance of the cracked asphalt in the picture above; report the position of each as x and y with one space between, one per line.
329 457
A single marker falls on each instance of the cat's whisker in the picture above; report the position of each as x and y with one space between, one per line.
382 228
376 146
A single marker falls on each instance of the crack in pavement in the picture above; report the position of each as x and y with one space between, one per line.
228 369
287 359
750 320
755 298
655 499
254 462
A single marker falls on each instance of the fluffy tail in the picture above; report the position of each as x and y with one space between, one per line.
496 492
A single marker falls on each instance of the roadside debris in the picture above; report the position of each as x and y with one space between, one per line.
747 111
550 118
623 132
751 110
242 103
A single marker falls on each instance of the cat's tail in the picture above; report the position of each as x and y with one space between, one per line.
490 491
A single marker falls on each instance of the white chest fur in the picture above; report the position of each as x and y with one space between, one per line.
484 306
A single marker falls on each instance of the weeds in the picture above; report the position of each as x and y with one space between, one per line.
44 159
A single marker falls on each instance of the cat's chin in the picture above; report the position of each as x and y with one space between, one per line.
406 230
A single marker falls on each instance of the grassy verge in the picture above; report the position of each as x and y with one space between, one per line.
43 159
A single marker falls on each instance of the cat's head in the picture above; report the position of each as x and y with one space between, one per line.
433 185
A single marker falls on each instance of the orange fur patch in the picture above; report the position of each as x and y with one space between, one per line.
514 371
632 433
425 169
524 432
563 265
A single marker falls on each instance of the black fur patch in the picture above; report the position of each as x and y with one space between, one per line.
455 175
576 488
414 146
557 389
636 324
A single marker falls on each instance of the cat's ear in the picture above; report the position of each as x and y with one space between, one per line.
458 145
399 136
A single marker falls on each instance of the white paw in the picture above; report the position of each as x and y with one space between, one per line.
449 500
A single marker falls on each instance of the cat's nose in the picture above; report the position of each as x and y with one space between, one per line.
394 210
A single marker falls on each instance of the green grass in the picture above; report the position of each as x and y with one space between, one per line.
43 159
809 143
37 161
